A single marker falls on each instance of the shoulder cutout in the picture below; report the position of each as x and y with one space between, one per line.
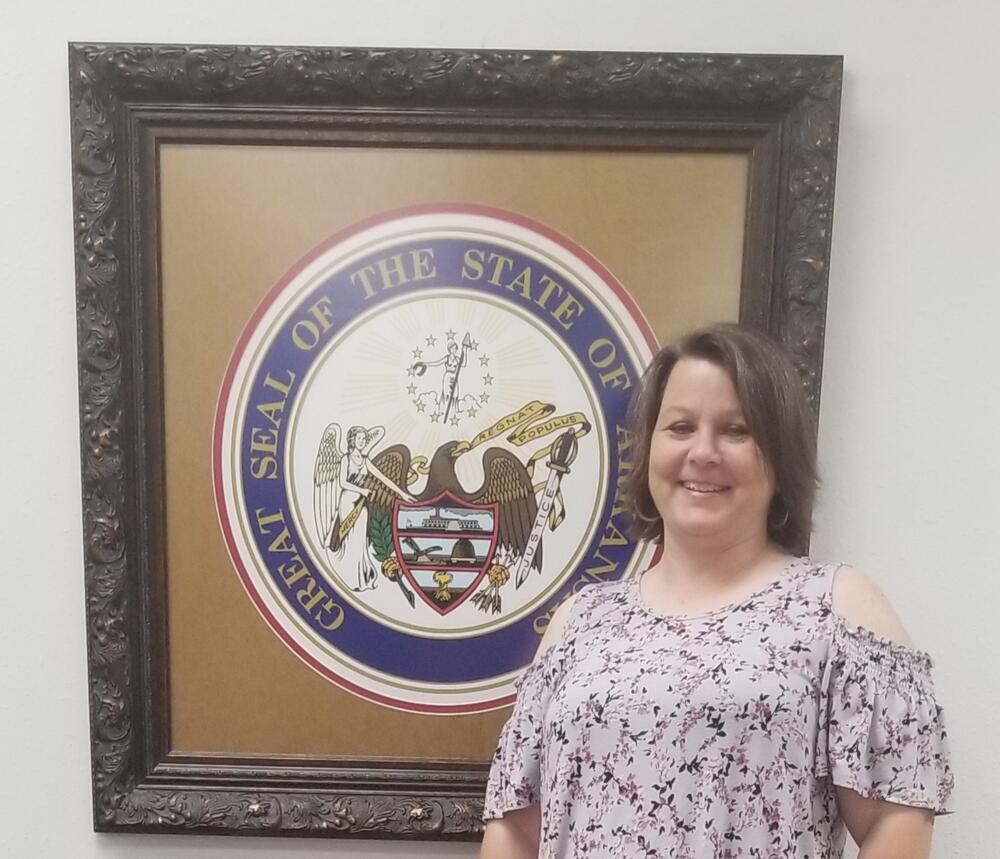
859 601
553 631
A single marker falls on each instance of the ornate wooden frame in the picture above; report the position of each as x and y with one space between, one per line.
781 110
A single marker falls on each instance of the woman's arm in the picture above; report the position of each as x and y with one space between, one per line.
375 472
513 836
883 830
516 834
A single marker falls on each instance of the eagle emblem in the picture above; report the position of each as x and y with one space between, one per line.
439 544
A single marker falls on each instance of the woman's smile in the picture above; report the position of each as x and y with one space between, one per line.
699 488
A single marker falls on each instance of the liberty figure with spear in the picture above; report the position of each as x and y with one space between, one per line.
453 361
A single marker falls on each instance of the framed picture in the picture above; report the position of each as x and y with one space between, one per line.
358 330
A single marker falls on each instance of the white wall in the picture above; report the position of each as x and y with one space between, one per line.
909 421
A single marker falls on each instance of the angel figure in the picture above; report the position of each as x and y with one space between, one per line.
347 482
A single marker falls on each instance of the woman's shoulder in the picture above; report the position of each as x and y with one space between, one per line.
557 624
578 608
857 599
883 730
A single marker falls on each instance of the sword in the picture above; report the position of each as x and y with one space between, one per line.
561 456
402 586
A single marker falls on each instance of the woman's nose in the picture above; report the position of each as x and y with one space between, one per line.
704 448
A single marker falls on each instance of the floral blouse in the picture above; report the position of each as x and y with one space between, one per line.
721 735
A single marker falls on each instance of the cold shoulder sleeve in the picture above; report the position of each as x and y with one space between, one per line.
882 733
516 770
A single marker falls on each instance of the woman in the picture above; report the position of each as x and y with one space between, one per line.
453 363
733 700
348 537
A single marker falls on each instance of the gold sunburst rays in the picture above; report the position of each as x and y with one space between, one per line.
489 323
398 426
517 389
520 355
470 315
368 392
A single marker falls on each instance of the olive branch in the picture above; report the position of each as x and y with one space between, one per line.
381 537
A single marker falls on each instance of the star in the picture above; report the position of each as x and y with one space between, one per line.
435 417
417 353
454 422
411 389
431 340
474 345
484 360
471 412
420 406
411 371
450 334
484 398
487 379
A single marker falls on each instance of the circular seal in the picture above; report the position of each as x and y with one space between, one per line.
417 450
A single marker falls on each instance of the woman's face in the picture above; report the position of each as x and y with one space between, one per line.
707 476
360 440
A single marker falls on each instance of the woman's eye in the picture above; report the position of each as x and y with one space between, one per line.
737 431
680 428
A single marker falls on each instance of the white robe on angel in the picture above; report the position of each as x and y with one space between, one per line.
355 557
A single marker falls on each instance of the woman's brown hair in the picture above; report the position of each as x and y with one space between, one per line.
777 413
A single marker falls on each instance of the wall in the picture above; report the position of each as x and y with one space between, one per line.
909 417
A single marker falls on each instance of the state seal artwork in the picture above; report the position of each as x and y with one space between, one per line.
418 447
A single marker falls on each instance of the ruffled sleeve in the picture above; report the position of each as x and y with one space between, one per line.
516 771
882 733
